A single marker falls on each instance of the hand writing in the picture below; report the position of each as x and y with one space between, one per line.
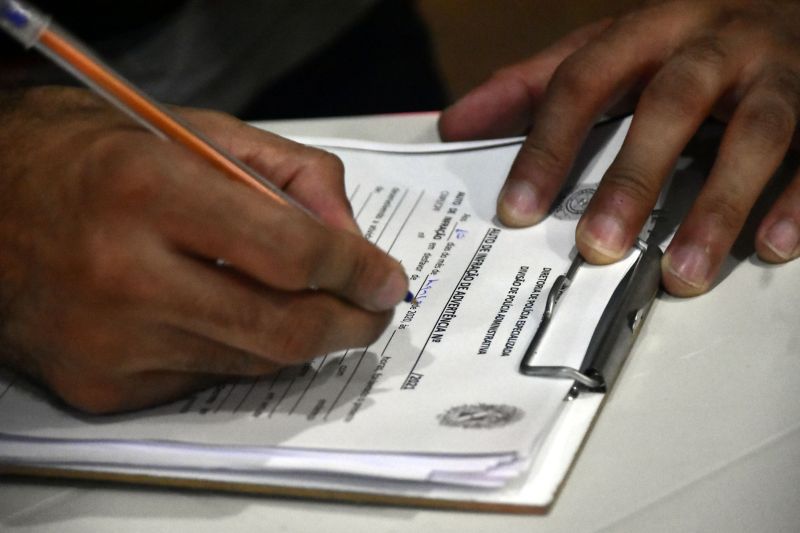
110 292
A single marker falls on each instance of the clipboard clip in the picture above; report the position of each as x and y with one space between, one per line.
615 332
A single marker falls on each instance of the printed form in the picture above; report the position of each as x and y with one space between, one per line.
441 384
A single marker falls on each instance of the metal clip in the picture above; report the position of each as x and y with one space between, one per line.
615 331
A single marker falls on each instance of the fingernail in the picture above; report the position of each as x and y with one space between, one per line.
782 238
690 264
393 291
519 203
605 234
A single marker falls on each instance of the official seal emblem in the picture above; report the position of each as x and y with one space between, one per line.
480 416
574 204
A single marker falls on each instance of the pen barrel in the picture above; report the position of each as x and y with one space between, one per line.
22 22
102 79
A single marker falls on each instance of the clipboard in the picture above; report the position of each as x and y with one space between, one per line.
612 336
611 342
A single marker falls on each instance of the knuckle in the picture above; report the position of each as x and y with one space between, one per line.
350 266
308 258
708 51
725 212
362 272
133 190
786 83
770 121
220 116
680 89
632 181
209 117
299 254
240 317
48 98
545 158
328 169
118 175
575 77
330 163
108 268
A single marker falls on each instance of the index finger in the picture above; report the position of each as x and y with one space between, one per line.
202 214
313 177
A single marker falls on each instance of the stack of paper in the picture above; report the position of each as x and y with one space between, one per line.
435 409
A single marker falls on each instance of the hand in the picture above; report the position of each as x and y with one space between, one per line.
109 289
736 59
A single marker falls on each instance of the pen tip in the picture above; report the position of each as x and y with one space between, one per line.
409 298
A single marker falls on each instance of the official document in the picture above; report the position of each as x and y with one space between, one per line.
438 397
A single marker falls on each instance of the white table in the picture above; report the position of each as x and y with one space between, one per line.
701 433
